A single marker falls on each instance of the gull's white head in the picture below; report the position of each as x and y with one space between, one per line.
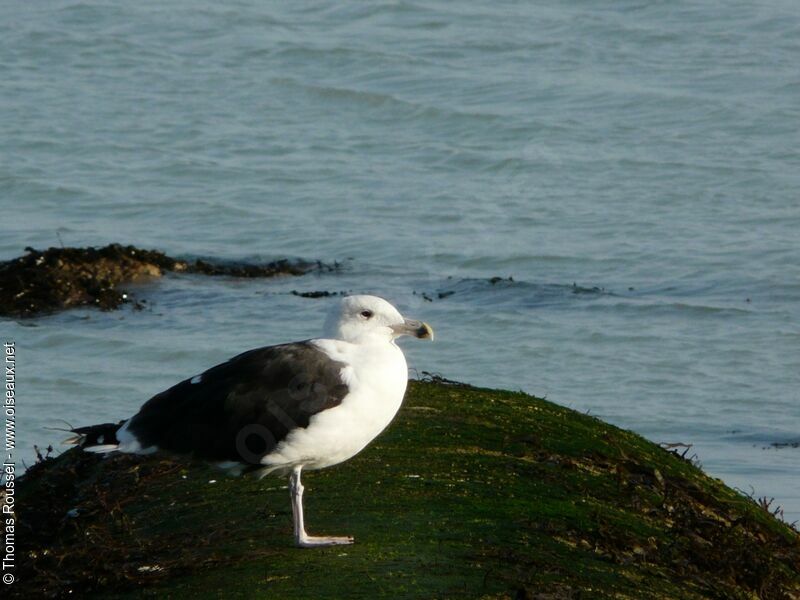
359 319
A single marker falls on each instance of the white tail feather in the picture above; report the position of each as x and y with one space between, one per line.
102 449
74 440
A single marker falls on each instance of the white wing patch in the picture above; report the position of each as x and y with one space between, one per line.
128 443
196 379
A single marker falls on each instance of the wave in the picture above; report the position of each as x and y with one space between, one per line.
511 292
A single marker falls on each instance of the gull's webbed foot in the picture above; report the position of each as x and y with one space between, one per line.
313 541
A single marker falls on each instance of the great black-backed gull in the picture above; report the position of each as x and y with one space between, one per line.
303 405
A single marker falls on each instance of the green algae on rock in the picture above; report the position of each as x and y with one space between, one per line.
470 493
46 281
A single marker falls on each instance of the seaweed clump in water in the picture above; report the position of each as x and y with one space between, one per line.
46 281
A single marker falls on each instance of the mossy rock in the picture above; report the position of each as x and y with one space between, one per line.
470 493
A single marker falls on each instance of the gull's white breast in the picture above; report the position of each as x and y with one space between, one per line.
376 375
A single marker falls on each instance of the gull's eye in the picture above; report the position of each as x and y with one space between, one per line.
367 314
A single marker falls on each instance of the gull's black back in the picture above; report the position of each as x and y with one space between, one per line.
241 409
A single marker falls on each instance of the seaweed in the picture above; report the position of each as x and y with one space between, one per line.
47 281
